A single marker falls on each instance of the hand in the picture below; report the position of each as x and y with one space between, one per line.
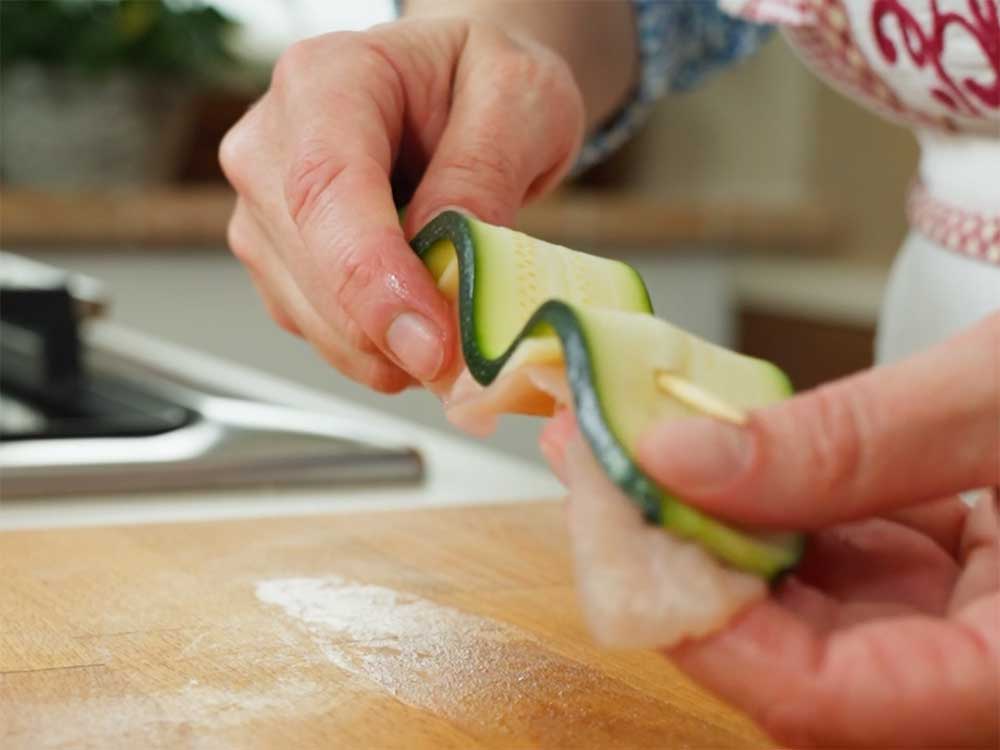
888 633
473 116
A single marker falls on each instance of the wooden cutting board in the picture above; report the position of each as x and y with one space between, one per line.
418 629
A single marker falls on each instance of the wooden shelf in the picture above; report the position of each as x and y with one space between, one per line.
615 221
116 219
197 217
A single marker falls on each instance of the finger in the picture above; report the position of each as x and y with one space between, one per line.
863 446
814 607
271 239
896 682
825 613
555 437
274 307
369 369
941 520
883 566
249 244
514 128
354 357
980 549
338 194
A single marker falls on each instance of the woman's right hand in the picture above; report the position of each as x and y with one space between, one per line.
473 116
886 633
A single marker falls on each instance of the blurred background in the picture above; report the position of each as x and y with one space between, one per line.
763 209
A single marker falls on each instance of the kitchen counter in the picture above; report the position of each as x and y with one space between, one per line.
455 467
433 628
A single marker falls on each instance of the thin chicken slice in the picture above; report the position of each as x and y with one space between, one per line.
640 586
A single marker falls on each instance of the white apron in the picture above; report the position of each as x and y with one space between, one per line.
934 66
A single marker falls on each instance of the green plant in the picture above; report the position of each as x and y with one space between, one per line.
95 36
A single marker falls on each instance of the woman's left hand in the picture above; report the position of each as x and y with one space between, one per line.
888 633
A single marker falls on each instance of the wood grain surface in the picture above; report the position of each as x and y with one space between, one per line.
417 629
611 222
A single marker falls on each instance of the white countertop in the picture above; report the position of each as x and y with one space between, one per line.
458 470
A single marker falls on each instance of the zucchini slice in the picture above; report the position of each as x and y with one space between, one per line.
500 277
520 295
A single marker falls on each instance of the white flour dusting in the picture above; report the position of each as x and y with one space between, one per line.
493 680
384 634
167 718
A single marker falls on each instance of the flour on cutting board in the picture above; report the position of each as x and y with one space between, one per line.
171 716
359 626
492 679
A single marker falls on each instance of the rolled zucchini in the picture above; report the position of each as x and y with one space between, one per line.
625 367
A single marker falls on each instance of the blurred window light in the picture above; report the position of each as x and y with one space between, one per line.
268 26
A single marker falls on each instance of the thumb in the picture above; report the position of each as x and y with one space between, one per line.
515 124
863 446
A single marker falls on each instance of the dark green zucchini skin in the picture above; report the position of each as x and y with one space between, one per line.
616 462
590 416
452 225
560 318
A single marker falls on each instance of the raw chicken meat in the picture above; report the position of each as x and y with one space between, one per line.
640 586
536 389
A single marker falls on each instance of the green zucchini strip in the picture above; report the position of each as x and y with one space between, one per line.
763 555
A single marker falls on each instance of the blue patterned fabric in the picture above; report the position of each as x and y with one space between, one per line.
680 42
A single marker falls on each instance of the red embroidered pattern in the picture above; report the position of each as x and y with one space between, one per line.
927 48
827 45
776 11
971 234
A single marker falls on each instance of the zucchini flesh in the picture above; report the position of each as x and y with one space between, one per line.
524 299
503 276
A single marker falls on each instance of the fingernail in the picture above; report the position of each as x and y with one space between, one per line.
697 455
416 344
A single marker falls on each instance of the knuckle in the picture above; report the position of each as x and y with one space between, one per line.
241 144
356 273
384 377
356 337
240 244
369 54
835 444
517 69
540 73
233 150
484 171
555 94
310 180
300 60
293 62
